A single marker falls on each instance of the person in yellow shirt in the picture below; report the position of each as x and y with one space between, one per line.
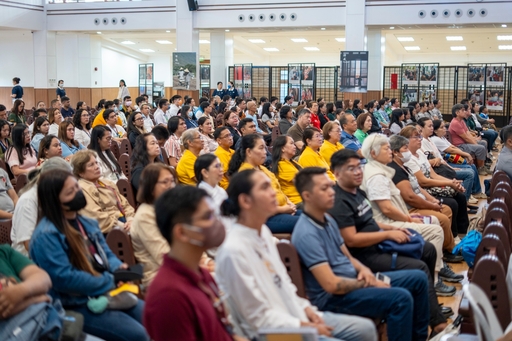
193 144
224 152
310 156
251 155
284 168
99 120
332 135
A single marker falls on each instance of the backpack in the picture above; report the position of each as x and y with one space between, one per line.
468 246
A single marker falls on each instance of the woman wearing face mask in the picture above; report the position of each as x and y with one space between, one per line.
148 244
123 90
232 91
251 155
206 131
61 92
209 172
81 263
146 151
41 128
310 154
189 117
104 202
284 167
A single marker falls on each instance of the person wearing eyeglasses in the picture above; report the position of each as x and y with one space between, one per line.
332 136
224 152
310 155
193 144
118 132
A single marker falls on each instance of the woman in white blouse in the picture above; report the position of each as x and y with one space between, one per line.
209 171
82 123
206 131
55 118
101 138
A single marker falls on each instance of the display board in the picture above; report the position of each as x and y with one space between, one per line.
486 85
354 71
184 75
301 82
419 82
205 80
243 80
146 78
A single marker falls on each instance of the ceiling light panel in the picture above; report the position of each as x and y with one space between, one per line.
412 48
340 40
164 42
454 38
458 48
271 49
402 39
146 50
257 41
299 40
202 41
505 47
504 37
312 48
127 42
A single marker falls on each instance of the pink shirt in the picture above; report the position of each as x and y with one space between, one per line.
29 162
457 128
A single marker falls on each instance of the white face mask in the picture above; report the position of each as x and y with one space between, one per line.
128 103
61 85
406 156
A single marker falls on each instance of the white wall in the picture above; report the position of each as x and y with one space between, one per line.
17 57
116 66
162 69
22 14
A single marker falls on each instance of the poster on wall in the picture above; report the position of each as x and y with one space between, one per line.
146 76
354 71
476 75
495 75
294 74
486 85
494 99
247 81
409 95
428 74
409 74
204 70
307 82
238 78
184 70
427 95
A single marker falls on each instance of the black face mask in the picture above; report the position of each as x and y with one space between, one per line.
77 203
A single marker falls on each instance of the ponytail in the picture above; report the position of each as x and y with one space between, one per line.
240 183
236 161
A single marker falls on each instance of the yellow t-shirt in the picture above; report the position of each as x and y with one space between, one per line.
287 172
99 120
328 149
185 169
280 196
224 157
310 158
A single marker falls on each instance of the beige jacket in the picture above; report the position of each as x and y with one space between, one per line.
148 244
102 204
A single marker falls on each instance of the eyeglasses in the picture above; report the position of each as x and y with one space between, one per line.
226 136
139 119
355 169
419 137
166 182
318 136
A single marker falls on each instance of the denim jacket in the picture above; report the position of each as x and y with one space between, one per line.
49 250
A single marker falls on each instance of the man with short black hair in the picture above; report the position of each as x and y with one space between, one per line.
219 91
226 99
161 115
148 122
436 112
262 101
138 102
296 132
66 109
55 104
349 126
336 281
118 132
246 126
175 106
184 297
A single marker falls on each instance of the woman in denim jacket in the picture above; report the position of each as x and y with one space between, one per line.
73 251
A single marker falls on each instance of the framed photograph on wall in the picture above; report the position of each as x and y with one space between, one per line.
410 74
184 75
354 71
476 75
428 74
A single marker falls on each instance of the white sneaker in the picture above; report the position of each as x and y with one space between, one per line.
472 200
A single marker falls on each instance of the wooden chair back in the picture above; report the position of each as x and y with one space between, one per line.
126 190
124 162
291 261
121 245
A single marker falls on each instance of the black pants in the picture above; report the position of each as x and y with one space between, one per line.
380 262
459 206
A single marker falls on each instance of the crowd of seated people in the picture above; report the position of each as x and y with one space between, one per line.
339 178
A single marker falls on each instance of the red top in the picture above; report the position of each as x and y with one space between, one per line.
179 305
457 128
315 121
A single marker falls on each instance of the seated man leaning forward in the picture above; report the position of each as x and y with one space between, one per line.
337 282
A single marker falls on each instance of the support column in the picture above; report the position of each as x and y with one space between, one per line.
187 37
355 27
376 48
45 60
221 57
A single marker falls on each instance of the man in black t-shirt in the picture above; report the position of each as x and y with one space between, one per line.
362 233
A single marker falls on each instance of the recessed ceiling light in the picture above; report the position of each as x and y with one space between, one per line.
299 40
412 48
271 49
323 28
392 28
127 42
505 47
312 48
458 48
164 42
503 25
202 41
504 37
257 41
226 30
168 31
454 38
341 40
405 38
146 50
98 32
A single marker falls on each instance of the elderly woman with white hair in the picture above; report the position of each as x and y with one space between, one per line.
389 208
193 144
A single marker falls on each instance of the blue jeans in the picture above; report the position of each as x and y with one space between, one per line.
477 187
467 176
490 136
115 325
404 306
283 223
349 328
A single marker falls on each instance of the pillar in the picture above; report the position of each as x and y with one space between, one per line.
221 57
187 37
376 47
45 59
355 25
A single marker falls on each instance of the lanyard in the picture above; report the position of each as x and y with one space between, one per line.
213 294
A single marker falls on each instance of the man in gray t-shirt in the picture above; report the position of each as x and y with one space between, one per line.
505 157
8 196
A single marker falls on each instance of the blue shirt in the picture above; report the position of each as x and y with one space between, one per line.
18 91
316 244
255 119
60 92
219 93
67 113
350 141
68 151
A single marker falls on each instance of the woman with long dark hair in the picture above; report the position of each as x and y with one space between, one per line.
286 119
357 108
67 139
81 265
135 127
5 141
123 91
82 122
189 116
21 157
146 151
101 139
397 121
231 121
209 172
49 147
206 130
267 116
284 167
41 128
55 118
251 155
173 146
17 112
